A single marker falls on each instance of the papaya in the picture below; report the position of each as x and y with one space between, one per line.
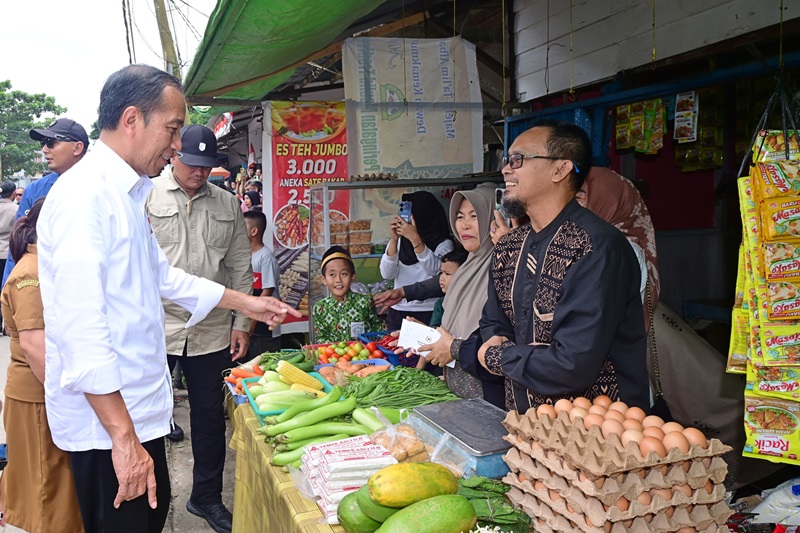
352 519
402 484
449 513
379 513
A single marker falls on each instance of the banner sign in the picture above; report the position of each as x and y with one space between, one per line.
308 145
414 107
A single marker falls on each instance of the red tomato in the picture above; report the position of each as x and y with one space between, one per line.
345 357
323 359
329 352
371 346
377 354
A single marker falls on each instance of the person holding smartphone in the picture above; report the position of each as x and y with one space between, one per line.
415 252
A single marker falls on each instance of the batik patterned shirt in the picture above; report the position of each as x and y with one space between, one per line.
567 298
336 321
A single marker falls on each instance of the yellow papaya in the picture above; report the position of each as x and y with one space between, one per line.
402 484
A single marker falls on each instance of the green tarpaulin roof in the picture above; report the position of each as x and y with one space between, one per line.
248 44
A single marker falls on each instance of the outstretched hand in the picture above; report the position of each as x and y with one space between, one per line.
268 310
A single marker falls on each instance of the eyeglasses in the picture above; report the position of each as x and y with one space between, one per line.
516 160
50 143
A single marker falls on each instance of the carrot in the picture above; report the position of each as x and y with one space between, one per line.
238 390
257 370
231 380
371 369
239 372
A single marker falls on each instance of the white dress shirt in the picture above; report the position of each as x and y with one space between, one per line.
102 276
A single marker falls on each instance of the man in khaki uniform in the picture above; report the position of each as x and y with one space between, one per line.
201 229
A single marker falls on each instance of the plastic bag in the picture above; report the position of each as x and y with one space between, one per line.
400 439
448 454
782 506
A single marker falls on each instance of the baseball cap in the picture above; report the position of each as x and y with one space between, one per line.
199 146
7 188
63 129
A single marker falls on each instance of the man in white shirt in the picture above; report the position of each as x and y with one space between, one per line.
102 274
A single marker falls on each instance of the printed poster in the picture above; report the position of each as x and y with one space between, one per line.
414 107
307 144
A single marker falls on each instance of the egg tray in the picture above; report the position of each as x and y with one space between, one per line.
528 457
555 516
600 511
592 453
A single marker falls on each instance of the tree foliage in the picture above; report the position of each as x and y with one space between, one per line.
19 113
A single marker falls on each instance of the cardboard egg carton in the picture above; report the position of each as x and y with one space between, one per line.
589 451
556 516
603 509
534 461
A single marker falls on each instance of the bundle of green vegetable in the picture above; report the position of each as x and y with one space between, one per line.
270 360
272 394
487 497
401 388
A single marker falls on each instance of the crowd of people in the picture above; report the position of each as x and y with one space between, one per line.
107 290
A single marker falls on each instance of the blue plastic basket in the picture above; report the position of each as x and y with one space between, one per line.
373 336
326 387
364 362
396 360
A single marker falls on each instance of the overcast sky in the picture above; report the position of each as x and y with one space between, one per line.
68 49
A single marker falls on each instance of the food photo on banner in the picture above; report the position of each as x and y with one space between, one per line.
306 145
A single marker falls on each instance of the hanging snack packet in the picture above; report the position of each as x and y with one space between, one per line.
770 145
783 299
781 343
771 427
779 178
774 381
780 218
737 352
781 259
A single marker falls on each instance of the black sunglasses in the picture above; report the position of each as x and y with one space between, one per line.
50 143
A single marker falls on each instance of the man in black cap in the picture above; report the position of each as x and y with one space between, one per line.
202 231
64 143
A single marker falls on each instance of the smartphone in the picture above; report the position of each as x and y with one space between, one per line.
404 211
498 198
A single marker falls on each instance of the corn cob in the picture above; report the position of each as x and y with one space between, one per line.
295 375
298 386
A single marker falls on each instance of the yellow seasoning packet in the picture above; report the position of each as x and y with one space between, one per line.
781 259
770 145
774 381
780 343
780 218
771 428
779 178
737 352
783 299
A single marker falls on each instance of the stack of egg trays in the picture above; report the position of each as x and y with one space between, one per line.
570 479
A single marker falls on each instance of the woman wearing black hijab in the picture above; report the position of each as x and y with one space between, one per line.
414 253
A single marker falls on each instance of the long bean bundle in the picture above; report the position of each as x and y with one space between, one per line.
403 387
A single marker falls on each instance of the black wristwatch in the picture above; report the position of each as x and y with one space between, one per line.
455 346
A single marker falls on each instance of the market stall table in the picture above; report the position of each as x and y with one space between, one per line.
265 499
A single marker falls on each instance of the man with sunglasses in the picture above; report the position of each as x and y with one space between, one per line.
64 143
564 313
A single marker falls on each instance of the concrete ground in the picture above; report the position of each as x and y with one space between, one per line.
179 457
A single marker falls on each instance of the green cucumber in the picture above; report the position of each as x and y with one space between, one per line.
352 518
449 513
375 511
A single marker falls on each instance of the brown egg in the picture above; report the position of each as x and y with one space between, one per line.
614 415
686 530
588 522
538 485
669 511
622 407
545 409
664 493
631 435
695 437
592 419
610 426
649 517
599 482
644 499
603 401
563 405
652 444
653 431
582 402
709 487
554 495
652 421
598 410
635 413
675 439
570 508
577 412
707 462
622 504
670 427
630 423
686 489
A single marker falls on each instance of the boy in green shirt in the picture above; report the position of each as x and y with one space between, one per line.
344 314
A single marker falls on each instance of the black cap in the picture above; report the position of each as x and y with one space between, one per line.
63 129
199 147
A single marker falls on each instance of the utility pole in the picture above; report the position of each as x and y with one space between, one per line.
167 43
